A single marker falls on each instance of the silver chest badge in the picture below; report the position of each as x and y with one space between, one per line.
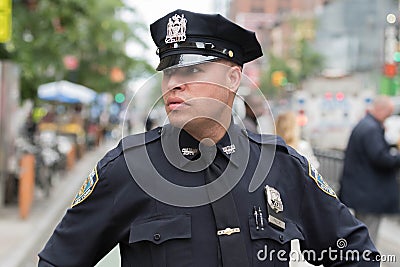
275 206
274 199
176 29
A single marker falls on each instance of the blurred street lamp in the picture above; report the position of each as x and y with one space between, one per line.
390 41
391 18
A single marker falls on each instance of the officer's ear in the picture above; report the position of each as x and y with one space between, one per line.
234 77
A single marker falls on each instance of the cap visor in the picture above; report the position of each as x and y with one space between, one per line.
182 60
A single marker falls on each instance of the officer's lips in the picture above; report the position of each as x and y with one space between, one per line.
176 103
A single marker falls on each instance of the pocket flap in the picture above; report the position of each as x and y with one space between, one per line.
290 232
161 228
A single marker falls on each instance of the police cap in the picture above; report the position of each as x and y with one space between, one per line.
185 38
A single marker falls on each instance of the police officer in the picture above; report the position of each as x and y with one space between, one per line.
202 191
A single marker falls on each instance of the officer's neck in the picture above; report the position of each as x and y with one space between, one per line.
211 130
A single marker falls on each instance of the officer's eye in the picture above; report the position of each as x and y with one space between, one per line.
184 71
169 72
192 69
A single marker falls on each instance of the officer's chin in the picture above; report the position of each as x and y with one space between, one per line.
176 119
184 122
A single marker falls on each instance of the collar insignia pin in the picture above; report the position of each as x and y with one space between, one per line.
229 149
189 151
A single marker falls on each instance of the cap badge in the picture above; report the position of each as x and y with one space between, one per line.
274 199
176 29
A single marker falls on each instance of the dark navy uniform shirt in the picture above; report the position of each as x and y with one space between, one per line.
112 209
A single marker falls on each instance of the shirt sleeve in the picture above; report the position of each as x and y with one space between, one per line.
378 150
84 235
332 235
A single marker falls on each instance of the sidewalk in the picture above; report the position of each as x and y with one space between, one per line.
388 242
21 240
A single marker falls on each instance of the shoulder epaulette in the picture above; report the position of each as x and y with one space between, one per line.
267 139
127 142
140 139
297 155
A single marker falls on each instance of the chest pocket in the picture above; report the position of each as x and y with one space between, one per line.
162 240
271 247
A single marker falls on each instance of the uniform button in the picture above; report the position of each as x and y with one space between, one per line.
157 236
281 238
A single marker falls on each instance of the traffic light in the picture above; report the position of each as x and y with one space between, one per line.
278 78
390 70
119 98
396 57
5 20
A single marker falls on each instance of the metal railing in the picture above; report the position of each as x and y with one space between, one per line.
331 166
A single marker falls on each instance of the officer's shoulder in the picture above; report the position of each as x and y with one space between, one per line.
129 142
281 146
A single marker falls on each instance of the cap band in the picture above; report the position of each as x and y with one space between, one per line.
183 60
196 45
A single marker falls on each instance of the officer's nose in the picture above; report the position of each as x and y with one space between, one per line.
173 81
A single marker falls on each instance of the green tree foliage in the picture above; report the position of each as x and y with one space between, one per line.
299 64
309 61
276 64
46 31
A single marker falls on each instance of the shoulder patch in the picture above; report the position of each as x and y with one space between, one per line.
317 177
87 187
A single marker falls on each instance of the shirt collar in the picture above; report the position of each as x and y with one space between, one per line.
229 145
188 145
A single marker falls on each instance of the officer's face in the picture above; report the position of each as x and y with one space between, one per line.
199 94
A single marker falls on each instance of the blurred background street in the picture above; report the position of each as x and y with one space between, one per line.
82 77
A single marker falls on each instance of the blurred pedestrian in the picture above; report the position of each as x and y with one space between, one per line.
369 184
30 129
288 128
255 108
149 123
179 195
